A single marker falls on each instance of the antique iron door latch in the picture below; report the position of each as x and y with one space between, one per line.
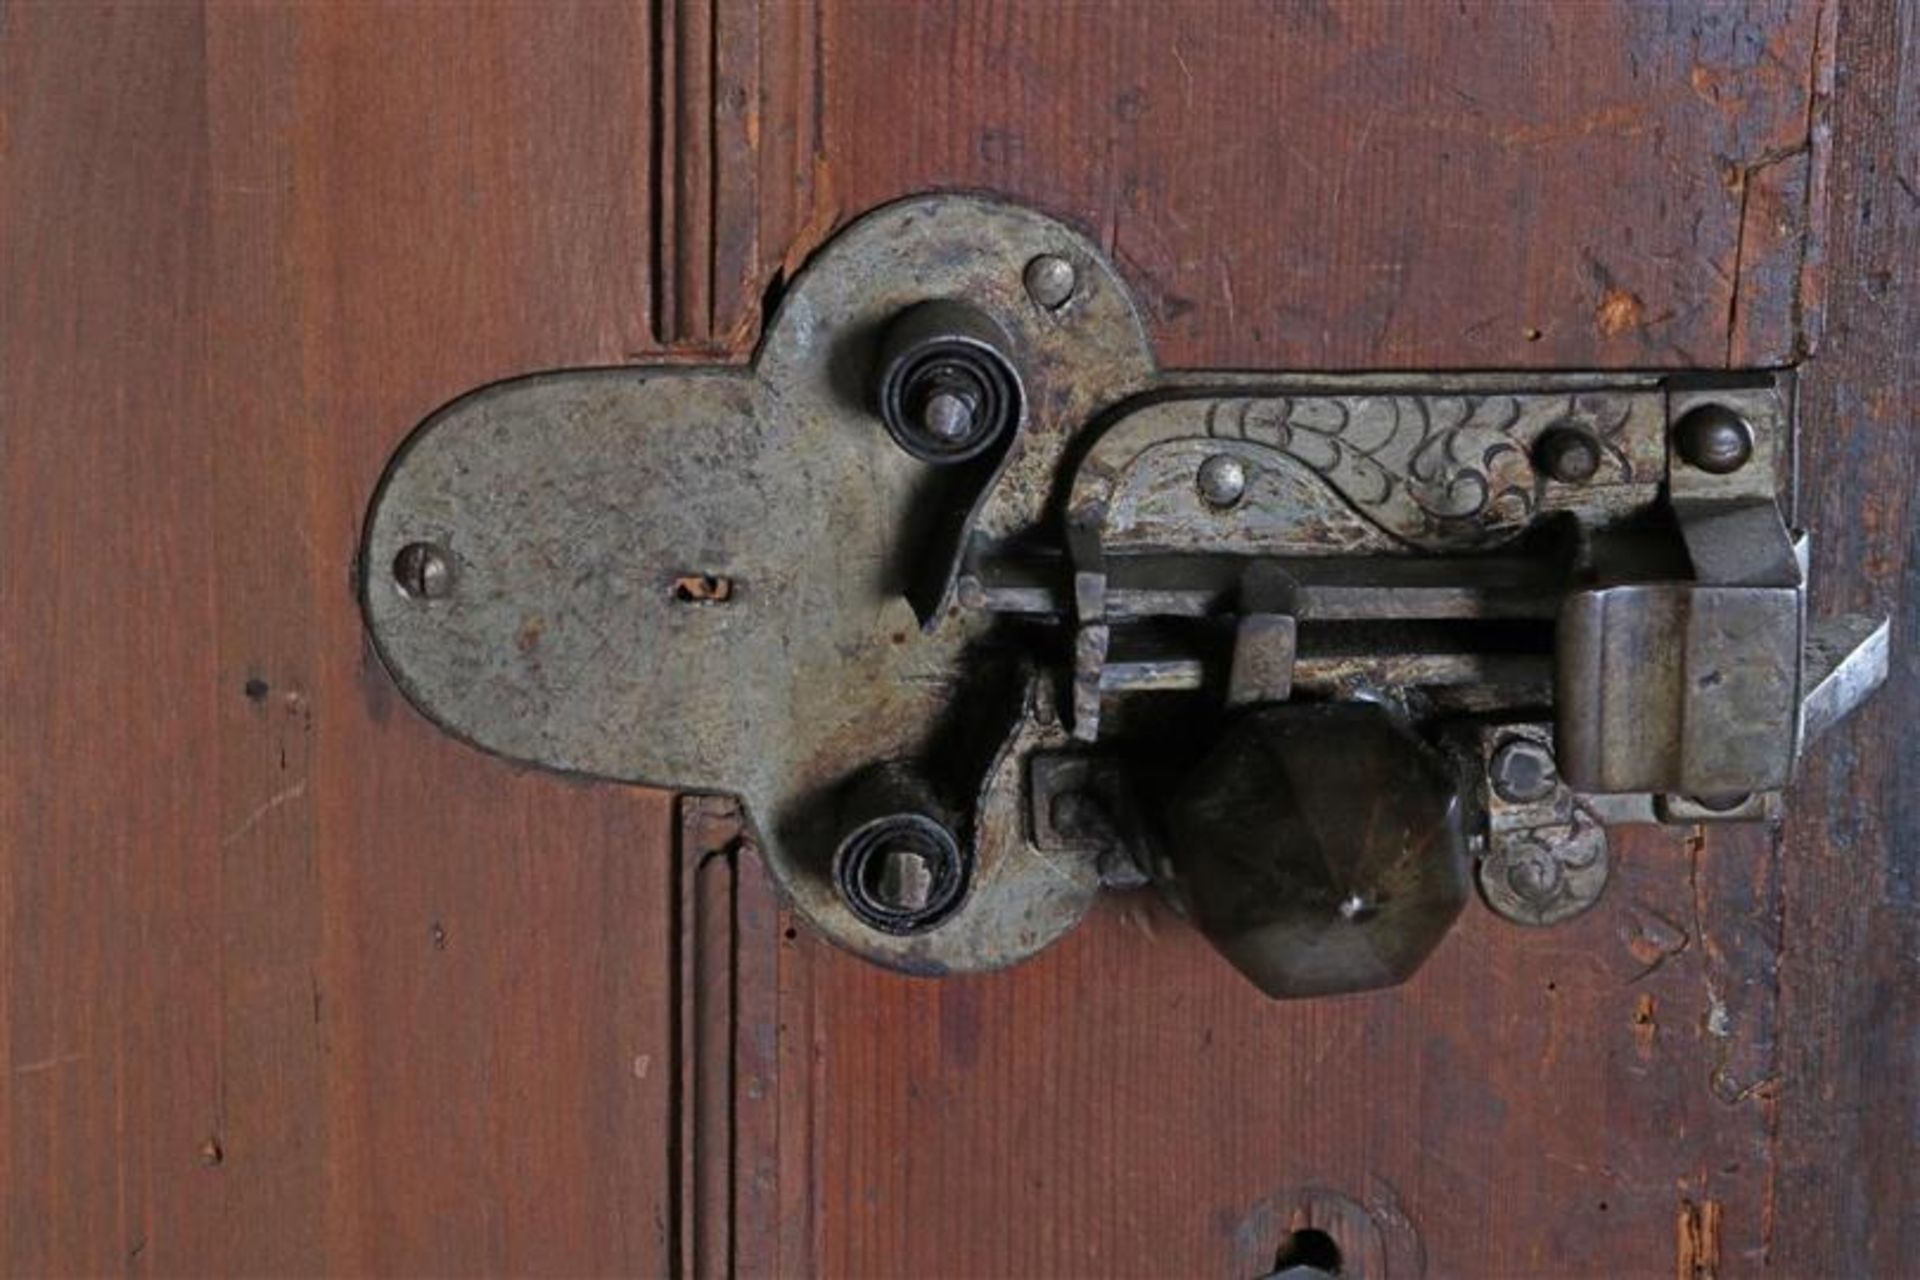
981 611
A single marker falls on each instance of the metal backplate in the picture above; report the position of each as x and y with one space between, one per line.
795 582
697 577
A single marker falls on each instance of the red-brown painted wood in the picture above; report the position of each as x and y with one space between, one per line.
294 983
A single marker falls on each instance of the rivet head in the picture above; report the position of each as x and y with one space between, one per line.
1051 280
1534 878
1522 772
1568 454
947 414
1715 439
423 572
1222 481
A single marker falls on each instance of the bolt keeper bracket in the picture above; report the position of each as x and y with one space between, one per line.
981 612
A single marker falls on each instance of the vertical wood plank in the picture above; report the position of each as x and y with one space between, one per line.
475 202
273 1003
293 982
1849 1118
112 889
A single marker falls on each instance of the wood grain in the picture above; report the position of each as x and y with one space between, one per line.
1306 185
1848 1198
293 983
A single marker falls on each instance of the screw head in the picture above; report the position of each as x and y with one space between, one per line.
1522 772
422 571
1051 281
1715 439
947 414
1222 481
1568 454
905 882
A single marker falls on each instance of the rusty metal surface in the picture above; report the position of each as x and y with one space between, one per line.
1674 687
570 504
953 517
1547 855
1446 467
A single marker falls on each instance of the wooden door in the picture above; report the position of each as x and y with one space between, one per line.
295 983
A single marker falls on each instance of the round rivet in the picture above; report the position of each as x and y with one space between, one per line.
1715 439
1051 280
1536 878
422 571
1568 454
947 414
1222 480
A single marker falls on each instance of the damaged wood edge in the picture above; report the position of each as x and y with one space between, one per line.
1697 1240
1808 303
729 1175
1699 1225
1843 1140
1790 178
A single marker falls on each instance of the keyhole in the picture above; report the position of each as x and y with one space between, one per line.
702 588
1307 1252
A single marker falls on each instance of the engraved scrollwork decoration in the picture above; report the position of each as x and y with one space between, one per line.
1436 472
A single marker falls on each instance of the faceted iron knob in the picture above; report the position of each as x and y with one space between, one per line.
1320 848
